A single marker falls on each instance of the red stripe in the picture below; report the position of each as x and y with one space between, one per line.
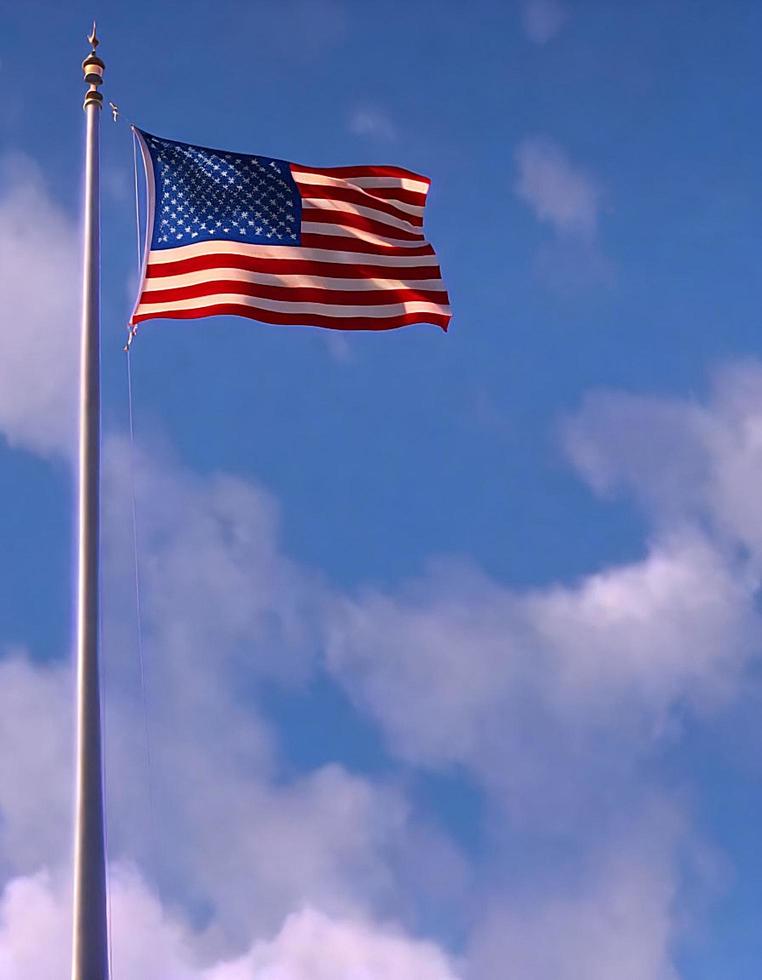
296 294
359 172
338 244
354 195
335 270
302 319
348 220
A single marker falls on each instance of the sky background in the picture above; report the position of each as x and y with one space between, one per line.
451 642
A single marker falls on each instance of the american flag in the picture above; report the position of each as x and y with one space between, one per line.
232 233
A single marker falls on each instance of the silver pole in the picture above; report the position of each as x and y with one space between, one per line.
90 939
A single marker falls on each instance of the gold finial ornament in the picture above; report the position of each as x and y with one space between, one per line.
93 68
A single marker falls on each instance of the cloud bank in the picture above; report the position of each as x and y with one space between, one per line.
148 941
554 703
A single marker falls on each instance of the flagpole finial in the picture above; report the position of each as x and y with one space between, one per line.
92 68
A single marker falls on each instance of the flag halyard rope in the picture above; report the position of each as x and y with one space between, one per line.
135 535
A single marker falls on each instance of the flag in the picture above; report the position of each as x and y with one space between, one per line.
232 233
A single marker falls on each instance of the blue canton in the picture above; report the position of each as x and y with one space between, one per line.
211 195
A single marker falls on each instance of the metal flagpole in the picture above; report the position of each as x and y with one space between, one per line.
90 937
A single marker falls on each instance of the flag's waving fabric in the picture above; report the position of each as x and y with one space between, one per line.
230 233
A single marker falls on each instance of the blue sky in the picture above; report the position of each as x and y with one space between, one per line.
452 641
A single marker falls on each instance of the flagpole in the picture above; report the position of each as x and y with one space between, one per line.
90 926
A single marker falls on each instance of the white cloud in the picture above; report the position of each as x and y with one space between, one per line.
552 694
150 941
554 689
671 629
31 908
223 610
372 122
311 946
214 572
35 763
226 836
40 285
619 918
555 697
543 19
685 461
558 192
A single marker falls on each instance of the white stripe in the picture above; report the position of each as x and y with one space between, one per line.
305 180
406 183
344 231
269 279
180 253
393 183
363 212
283 306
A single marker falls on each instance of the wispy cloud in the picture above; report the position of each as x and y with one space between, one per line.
558 192
543 19
569 200
685 462
374 123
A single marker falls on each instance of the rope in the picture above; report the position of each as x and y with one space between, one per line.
138 605
104 777
138 602
135 542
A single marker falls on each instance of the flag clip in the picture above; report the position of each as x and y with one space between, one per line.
132 332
